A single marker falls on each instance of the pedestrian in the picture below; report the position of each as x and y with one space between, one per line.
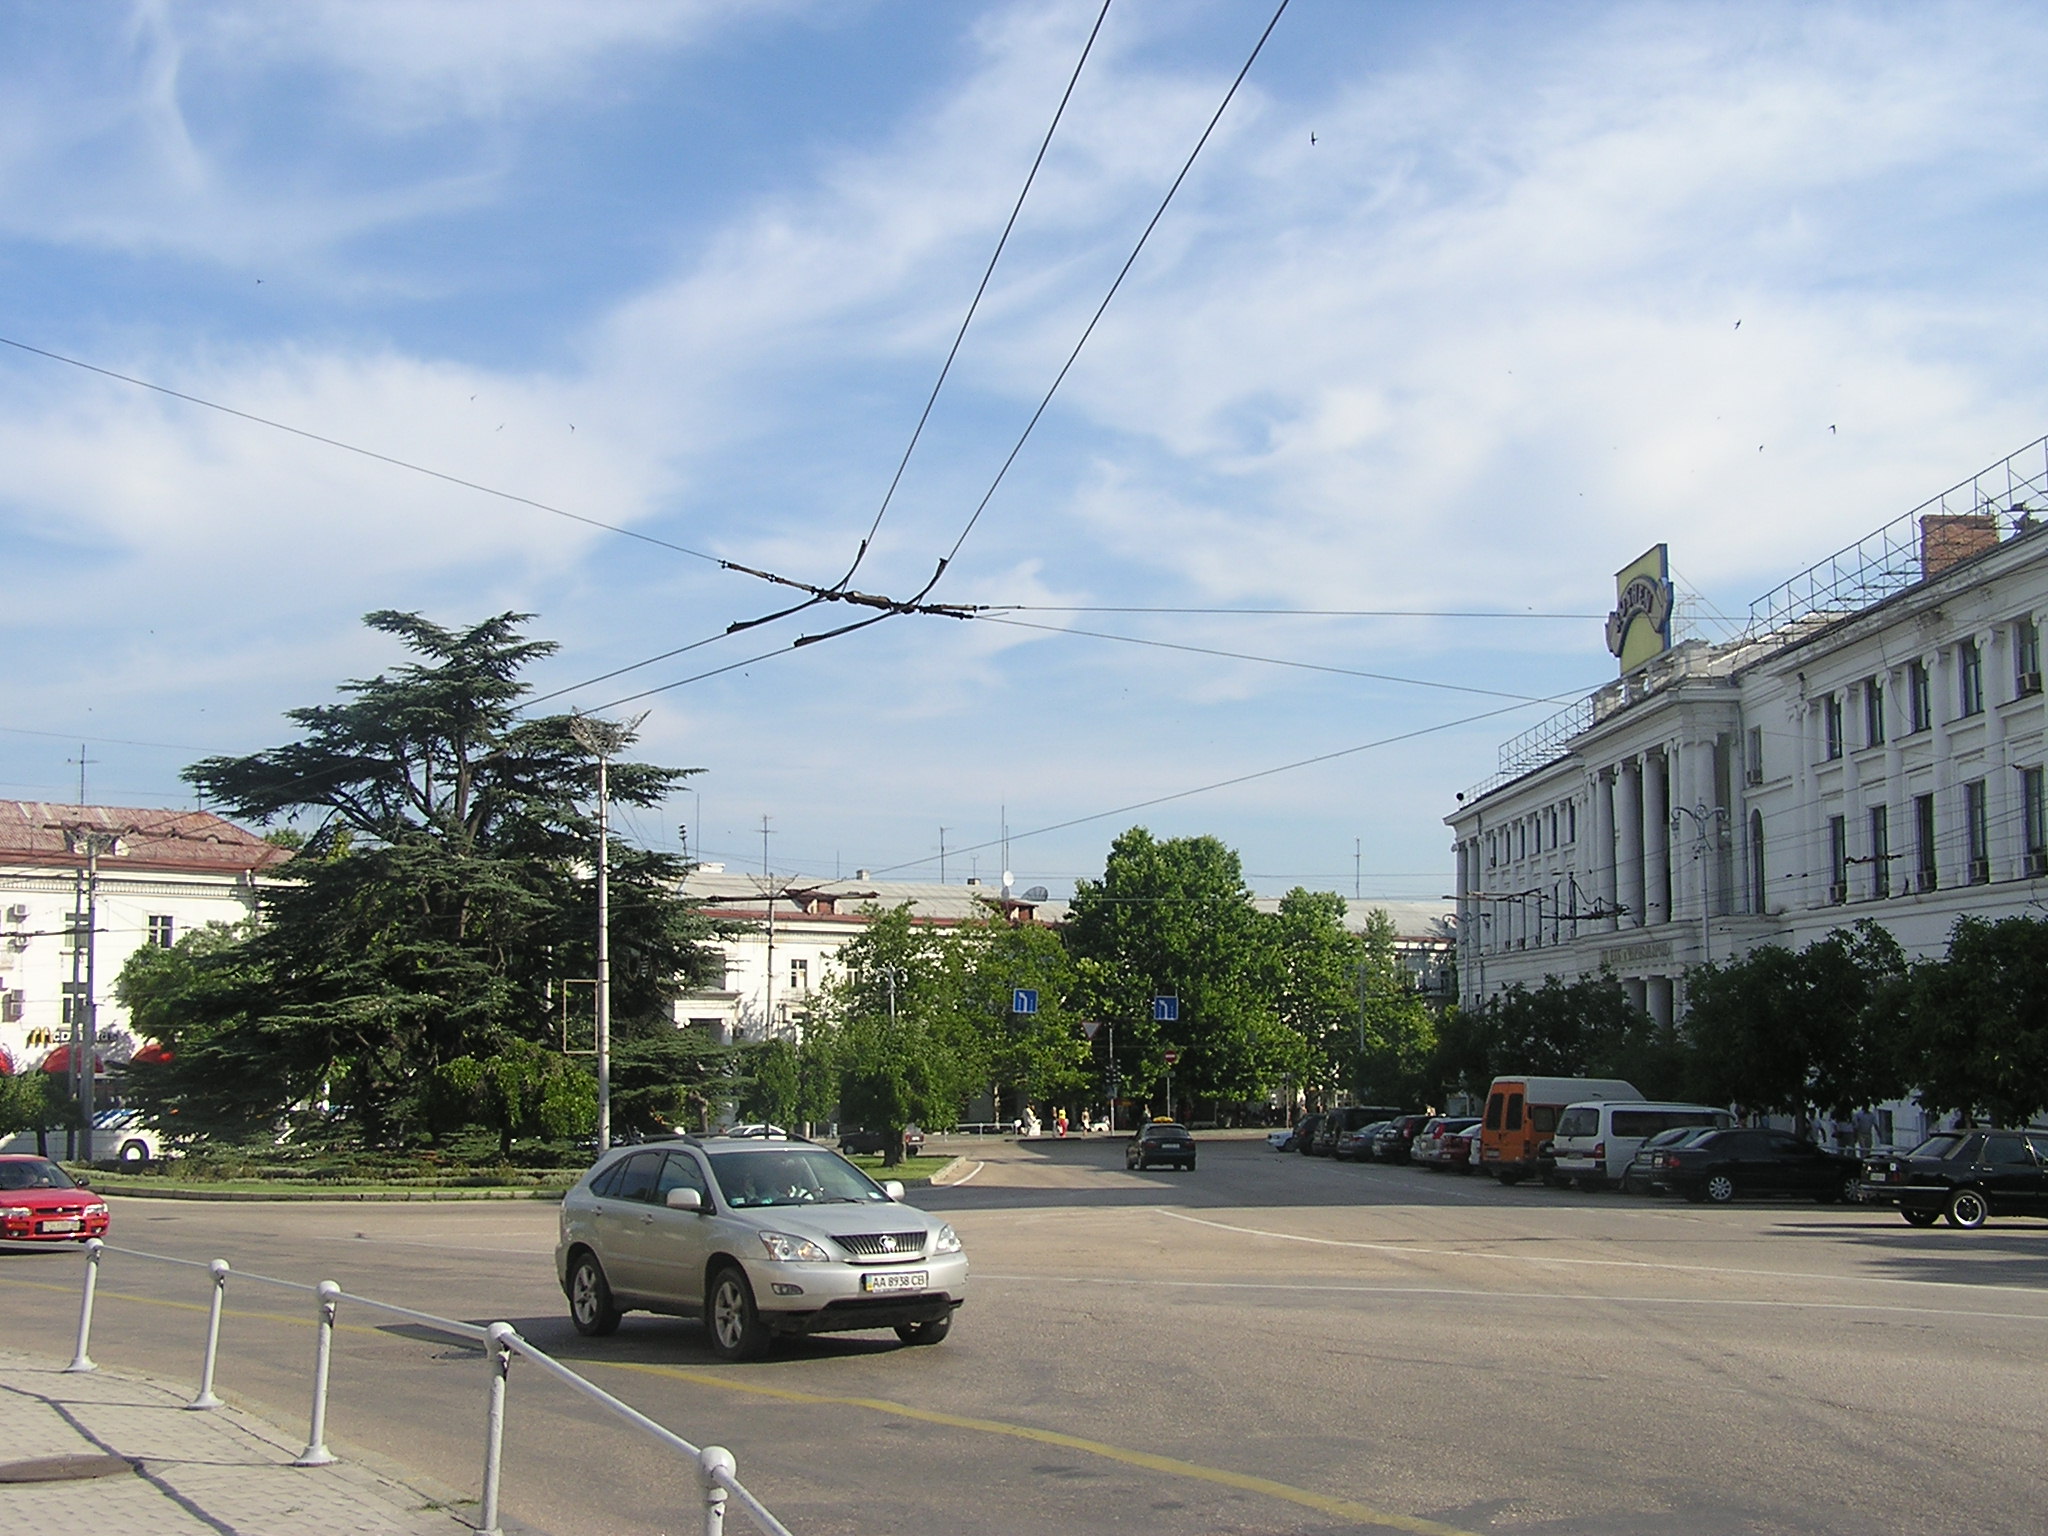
1060 1121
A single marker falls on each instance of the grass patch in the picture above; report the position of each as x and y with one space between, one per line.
300 1179
870 1163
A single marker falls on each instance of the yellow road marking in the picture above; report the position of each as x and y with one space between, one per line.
1173 1466
296 1320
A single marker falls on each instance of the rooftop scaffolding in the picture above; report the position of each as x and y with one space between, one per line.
1962 521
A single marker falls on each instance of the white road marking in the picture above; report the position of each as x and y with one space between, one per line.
1408 1250
1474 1295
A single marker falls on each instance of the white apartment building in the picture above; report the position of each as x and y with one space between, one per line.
160 875
1871 746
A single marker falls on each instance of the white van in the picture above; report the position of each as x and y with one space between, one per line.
1595 1141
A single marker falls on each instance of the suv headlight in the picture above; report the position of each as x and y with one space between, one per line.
948 1241
785 1249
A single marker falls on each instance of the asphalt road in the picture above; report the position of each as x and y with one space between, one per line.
1268 1344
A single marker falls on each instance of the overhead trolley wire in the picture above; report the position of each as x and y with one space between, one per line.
367 453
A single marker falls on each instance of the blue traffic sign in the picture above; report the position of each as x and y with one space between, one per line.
1165 1010
1024 1000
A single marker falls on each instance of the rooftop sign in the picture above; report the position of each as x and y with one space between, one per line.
1639 629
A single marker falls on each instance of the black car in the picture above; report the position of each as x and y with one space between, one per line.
1967 1176
1346 1121
1645 1172
1162 1141
1396 1139
1305 1134
1725 1165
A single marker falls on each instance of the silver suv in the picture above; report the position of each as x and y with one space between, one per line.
758 1236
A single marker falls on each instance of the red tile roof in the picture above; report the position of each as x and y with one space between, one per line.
40 833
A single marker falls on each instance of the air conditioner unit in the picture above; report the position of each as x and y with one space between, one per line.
18 913
2030 682
17 942
2037 863
10 1007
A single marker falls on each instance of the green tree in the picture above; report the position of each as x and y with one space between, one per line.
1585 1027
39 1102
791 1083
1044 1058
523 1089
442 895
905 1053
1397 1030
1314 978
1783 1032
1974 1025
1176 919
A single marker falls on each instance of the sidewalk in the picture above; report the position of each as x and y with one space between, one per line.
216 1473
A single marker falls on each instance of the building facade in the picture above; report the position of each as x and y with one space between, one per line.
1871 746
158 875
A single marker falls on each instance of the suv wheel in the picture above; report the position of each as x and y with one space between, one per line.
925 1333
735 1326
590 1299
1967 1209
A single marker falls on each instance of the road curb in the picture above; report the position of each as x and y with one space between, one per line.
371 1195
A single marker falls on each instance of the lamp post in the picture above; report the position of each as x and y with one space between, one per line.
603 739
1703 817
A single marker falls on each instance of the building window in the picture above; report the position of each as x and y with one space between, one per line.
1873 712
1758 895
74 931
799 975
1927 874
74 1001
1880 853
1919 696
1553 826
1571 821
1976 819
1492 850
10 1008
1838 860
2026 658
1969 678
162 931
2035 814
1831 717
1753 766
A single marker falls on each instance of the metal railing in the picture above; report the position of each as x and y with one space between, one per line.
716 1478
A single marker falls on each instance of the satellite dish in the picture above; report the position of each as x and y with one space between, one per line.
1038 893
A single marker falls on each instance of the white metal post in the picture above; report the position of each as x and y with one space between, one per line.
219 1270
80 1360
316 1453
604 957
711 1462
498 1358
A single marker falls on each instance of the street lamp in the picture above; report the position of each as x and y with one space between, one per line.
603 739
1703 818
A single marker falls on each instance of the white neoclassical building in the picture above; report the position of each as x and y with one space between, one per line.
158 874
1871 746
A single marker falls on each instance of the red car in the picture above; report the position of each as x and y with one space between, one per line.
41 1203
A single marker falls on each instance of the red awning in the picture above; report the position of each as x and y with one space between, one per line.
6 1062
151 1055
59 1060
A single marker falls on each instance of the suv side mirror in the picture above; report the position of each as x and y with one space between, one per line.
893 1188
685 1200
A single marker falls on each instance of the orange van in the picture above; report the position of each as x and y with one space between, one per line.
1521 1117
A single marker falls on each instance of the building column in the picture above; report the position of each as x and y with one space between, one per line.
1638 995
1657 999
1629 855
1701 755
1656 838
1603 845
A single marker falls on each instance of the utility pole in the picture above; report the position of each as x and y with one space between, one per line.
602 739
85 1033
942 855
1358 867
1703 817
768 886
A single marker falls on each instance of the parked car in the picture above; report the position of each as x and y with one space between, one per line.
871 1141
1596 1141
1432 1149
1162 1141
1281 1138
1967 1176
1726 1165
1344 1119
1397 1137
1521 1117
41 1203
1645 1172
758 1236
1305 1134
1356 1146
1461 1149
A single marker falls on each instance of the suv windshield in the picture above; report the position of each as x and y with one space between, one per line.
789 1176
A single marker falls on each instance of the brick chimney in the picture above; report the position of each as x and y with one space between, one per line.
1949 540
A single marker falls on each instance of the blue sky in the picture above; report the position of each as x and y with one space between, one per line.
1470 349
